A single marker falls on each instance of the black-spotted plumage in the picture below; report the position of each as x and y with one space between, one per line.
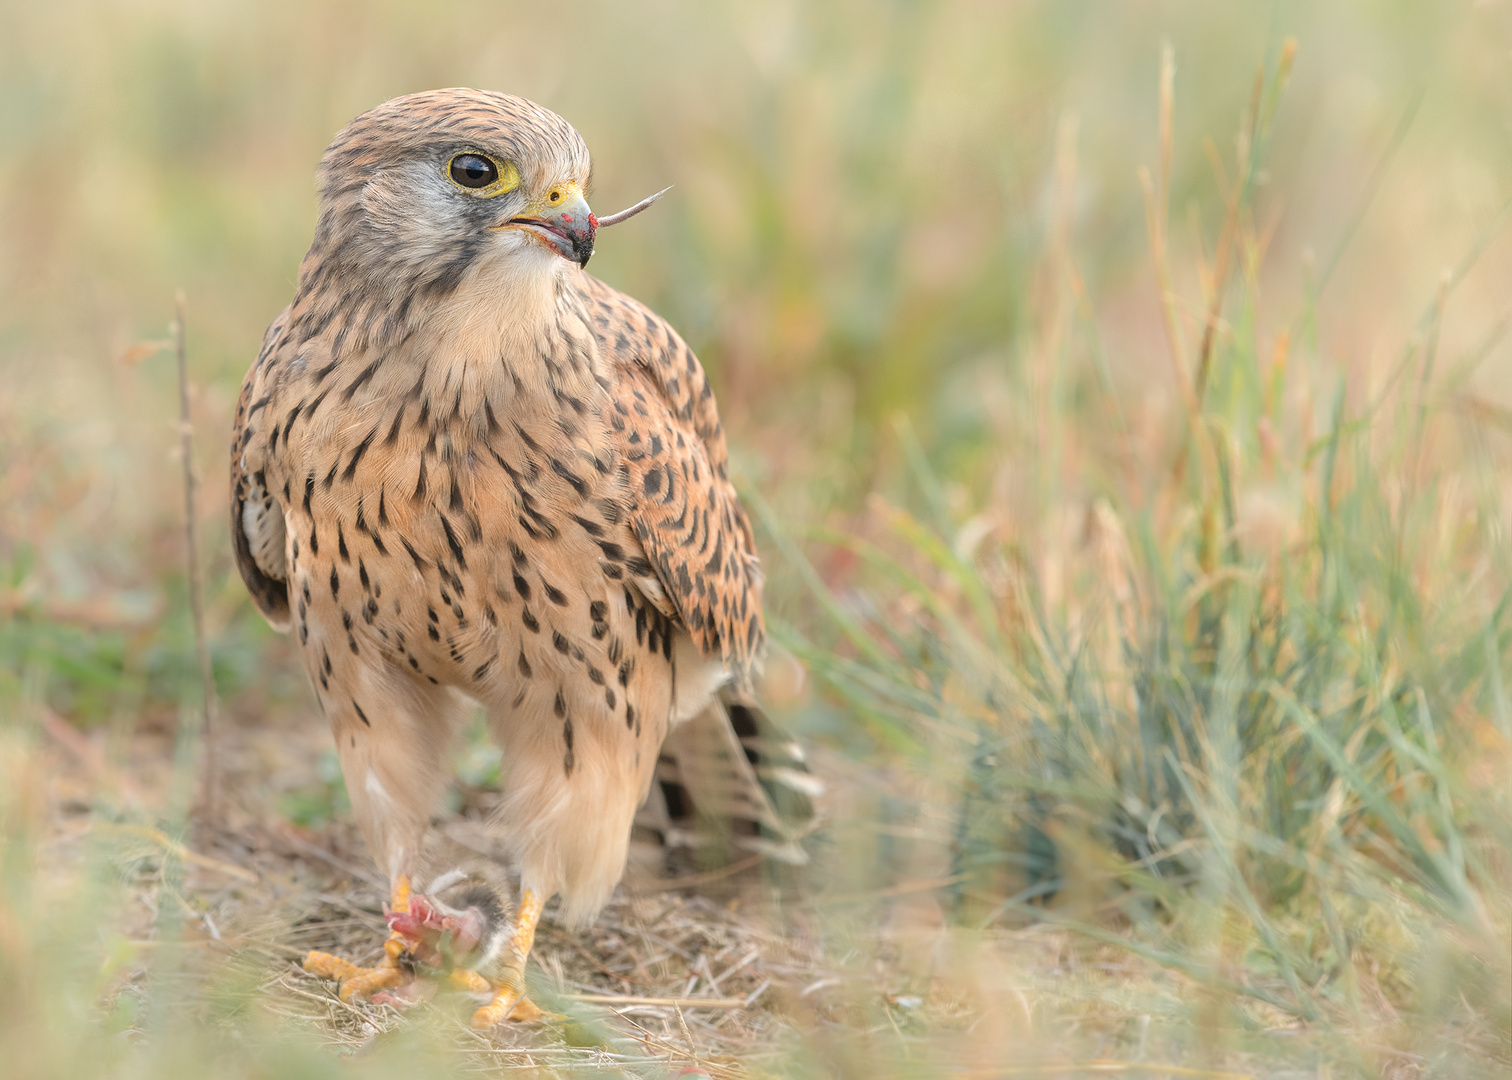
464 469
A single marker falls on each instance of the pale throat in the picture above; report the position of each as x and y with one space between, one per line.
516 318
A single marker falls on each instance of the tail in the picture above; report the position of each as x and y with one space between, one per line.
729 778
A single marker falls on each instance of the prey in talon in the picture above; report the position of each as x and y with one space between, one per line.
466 473
458 930
458 921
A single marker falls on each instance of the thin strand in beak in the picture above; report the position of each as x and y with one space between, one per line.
630 212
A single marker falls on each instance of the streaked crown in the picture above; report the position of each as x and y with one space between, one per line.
414 192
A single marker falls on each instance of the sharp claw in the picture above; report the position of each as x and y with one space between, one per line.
491 1015
509 1004
527 1011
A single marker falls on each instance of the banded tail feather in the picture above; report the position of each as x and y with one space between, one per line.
730 780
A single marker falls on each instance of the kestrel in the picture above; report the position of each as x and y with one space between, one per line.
464 471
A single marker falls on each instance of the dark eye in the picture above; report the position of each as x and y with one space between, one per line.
473 170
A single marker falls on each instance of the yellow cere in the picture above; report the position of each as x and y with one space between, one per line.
557 195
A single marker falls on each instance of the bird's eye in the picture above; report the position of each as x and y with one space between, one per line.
473 171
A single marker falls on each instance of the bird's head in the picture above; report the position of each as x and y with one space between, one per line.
416 192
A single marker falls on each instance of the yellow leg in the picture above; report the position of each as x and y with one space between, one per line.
473 983
357 981
509 999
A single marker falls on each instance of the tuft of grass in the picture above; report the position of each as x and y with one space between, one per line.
1246 719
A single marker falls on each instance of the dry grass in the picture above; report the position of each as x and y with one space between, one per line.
713 968
811 979
665 974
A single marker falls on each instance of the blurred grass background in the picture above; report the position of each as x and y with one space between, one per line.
1214 677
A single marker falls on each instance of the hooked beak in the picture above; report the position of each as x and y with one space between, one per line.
561 220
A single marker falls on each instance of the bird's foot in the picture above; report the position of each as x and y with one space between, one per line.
429 940
359 982
439 936
509 1000
395 971
507 1003
504 1004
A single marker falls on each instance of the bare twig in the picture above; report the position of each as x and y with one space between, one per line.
630 211
176 849
622 1001
304 847
209 781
